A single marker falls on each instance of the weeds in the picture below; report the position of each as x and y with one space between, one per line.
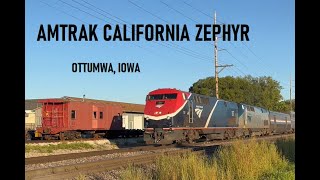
251 160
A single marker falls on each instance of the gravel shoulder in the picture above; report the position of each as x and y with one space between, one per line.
93 159
97 145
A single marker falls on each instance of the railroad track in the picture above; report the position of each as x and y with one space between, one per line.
68 171
54 158
227 142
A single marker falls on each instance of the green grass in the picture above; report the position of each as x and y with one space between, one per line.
135 173
52 147
240 161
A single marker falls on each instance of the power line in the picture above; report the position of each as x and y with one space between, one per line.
181 50
83 20
101 29
148 11
263 67
152 14
223 24
196 22
83 11
106 12
178 11
198 10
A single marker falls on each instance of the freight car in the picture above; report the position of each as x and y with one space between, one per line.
133 123
174 116
67 119
32 117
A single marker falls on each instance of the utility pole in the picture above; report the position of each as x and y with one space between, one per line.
290 95
216 66
216 58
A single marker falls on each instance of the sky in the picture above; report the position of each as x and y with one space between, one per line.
270 50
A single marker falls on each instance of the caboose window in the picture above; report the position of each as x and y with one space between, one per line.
101 115
73 114
94 114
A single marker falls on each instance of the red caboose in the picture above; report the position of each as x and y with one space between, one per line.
73 119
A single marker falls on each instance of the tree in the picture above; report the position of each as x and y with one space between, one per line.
284 106
257 91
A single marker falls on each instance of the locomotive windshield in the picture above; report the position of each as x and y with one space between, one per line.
162 96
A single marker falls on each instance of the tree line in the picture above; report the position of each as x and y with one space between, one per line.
258 91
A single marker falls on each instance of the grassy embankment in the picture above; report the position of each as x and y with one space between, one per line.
101 145
252 160
53 147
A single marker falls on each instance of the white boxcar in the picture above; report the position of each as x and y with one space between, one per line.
33 118
133 121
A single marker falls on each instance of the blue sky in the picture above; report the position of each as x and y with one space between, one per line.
270 51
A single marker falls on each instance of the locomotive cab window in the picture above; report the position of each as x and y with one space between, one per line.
101 115
73 114
170 96
162 96
155 97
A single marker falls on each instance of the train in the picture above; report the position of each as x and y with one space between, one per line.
175 116
71 118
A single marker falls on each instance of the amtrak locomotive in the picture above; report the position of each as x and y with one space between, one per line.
172 116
